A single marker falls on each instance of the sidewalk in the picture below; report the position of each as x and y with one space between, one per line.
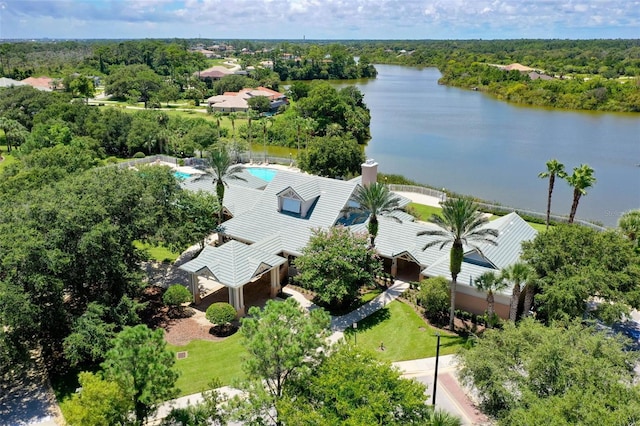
420 198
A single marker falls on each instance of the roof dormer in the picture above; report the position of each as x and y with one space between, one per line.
298 199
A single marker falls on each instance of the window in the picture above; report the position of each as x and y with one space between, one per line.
290 205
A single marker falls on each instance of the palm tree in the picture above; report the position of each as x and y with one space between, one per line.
221 169
461 223
251 115
554 168
233 117
490 282
218 116
374 200
581 179
518 273
438 417
529 294
265 123
629 224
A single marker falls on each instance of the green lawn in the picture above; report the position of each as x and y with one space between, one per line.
158 253
540 227
8 158
424 212
405 335
207 360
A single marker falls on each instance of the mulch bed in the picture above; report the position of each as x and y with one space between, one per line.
182 331
178 331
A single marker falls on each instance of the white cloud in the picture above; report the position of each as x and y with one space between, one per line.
336 18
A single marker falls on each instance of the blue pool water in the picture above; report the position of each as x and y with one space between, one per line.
182 175
262 173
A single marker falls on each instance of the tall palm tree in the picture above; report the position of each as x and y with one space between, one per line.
251 115
629 224
581 179
490 282
222 170
374 200
218 116
529 294
554 169
233 116
461 223
265 134
518 273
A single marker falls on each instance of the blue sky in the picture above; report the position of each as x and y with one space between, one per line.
320 19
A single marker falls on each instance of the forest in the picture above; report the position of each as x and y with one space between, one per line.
583 74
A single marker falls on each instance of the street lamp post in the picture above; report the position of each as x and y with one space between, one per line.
355 333
435 378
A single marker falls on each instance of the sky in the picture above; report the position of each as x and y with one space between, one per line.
319 19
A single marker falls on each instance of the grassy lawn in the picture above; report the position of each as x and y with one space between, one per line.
405 335
207 360
540 227
8 158
424 212
158 253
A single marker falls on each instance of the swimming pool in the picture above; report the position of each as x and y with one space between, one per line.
262 173
182 175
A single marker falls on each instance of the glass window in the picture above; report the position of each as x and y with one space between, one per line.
291 205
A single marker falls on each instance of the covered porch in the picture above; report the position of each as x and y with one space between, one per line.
403 266
233 266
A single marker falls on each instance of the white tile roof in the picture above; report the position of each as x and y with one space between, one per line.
264 220
233 264
257 220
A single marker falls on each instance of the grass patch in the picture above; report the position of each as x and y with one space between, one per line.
158 253
207 360
540 227
7 158
404 334
422 212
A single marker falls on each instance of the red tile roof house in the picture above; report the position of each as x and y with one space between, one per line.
237 101
43 83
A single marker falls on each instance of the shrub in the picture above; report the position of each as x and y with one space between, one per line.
176 295
435 298
221 313
139 155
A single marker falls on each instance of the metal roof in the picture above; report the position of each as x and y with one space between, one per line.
239 197
257 220
264 220
233 264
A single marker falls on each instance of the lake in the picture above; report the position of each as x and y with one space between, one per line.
471 143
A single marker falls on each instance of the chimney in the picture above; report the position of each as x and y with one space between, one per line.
369 172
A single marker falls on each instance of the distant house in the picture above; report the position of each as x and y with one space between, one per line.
43 83
9 82
270 222
537 76
237 101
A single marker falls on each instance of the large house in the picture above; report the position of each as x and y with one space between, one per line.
270 222
238 101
